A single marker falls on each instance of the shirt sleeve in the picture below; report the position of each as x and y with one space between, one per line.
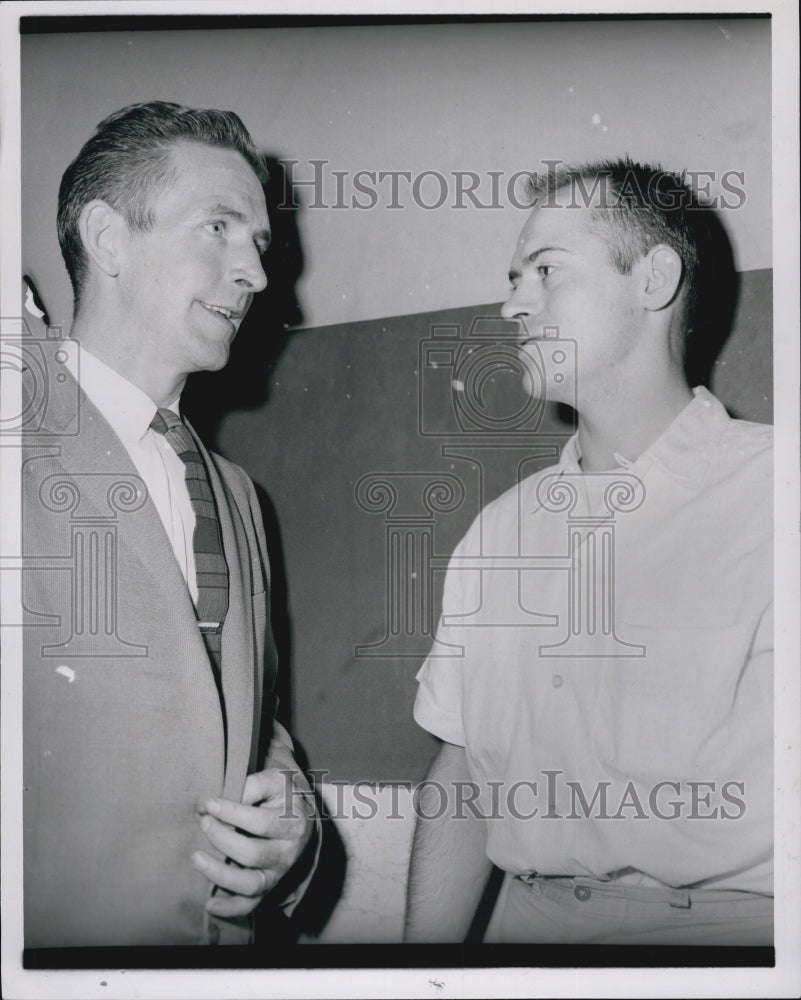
438 705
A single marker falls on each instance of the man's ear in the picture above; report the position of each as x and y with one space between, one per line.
103 233
662 271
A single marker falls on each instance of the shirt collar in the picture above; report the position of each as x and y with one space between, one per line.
682 450
124 405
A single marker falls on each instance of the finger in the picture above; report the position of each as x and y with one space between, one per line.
276 785
252 882
274 822
251 852
224 905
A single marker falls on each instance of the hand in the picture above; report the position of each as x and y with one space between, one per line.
264 835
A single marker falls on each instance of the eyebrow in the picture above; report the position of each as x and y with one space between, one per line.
261 237
532 258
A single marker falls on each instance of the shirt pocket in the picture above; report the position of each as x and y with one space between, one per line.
666 715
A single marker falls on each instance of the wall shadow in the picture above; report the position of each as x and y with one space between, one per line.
244 382
718 289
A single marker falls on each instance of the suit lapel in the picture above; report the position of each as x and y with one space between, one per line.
96 450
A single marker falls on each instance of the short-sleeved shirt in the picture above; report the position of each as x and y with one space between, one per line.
605 657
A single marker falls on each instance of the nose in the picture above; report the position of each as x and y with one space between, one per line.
248 270
524 301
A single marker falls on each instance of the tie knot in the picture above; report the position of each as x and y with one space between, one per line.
165 420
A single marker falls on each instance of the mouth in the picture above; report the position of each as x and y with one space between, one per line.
544 336
535 332
523 334
232 315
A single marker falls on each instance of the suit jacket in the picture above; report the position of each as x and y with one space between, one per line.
125 731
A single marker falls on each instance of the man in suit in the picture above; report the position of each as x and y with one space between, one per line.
162 802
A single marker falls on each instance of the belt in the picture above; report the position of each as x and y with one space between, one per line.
583 888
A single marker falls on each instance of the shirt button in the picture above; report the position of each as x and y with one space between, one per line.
582 893
557 681
214 934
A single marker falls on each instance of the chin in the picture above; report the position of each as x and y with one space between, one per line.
216 357
218 364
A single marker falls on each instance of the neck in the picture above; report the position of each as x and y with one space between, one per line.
628 423
135 360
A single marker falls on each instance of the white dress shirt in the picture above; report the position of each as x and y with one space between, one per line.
129 411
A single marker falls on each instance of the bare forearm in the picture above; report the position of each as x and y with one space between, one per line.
449 866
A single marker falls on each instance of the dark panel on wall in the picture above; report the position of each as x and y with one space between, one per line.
431 430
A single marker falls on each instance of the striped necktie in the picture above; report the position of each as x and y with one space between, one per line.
211 570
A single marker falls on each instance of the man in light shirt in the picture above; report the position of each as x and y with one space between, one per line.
605 706
162 800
